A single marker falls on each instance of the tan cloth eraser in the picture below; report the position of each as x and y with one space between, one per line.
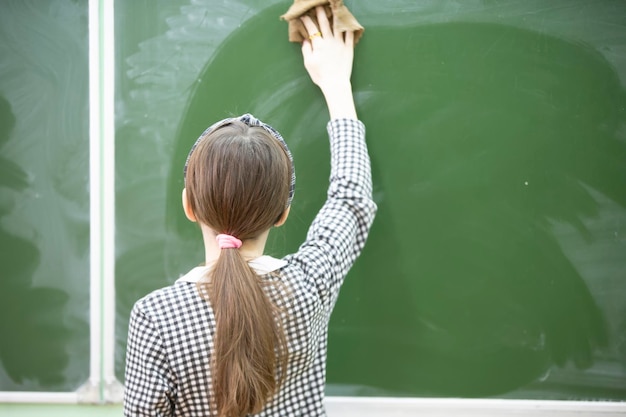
340 18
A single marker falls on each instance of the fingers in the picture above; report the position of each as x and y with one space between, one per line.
310 27
322 20
324 29
349 39
324 25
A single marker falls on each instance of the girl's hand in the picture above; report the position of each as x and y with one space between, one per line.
328 59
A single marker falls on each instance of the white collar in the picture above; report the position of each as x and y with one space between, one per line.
262 265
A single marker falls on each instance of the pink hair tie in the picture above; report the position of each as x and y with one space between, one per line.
228 242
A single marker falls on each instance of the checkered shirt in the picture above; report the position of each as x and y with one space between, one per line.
171 330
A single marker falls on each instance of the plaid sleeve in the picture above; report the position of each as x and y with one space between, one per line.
149 389
339 231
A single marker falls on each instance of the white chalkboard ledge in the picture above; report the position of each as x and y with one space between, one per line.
372 407
431 407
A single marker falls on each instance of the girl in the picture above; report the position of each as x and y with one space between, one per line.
246 334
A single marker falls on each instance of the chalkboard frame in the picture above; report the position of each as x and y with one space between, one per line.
102 386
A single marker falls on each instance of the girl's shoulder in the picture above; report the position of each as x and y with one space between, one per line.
178 296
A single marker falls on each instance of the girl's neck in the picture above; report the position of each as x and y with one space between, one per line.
251 249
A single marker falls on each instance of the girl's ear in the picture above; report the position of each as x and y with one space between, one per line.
283 217
187 207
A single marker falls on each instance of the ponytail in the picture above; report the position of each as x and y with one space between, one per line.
249 344
239 180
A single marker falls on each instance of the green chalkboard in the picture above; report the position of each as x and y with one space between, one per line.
497 130
44 195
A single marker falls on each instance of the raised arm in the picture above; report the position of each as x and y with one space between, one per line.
328 59
339 231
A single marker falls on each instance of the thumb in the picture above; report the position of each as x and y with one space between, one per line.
307 49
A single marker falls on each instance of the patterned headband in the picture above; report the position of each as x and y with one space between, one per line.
251 121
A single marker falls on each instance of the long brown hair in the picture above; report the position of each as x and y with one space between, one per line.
238 183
